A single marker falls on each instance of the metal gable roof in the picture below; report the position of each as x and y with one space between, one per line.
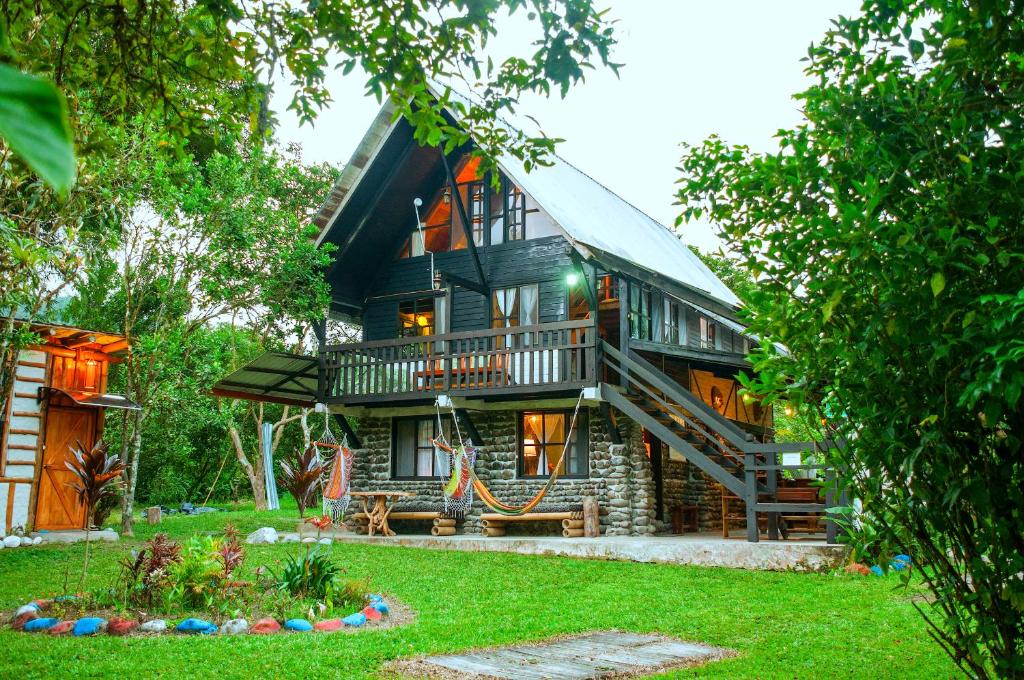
276 377
593 217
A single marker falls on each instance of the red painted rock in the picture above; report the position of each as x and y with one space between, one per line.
371 614
265 626
329 626
43 604
857 569
19 622
119 626
62 628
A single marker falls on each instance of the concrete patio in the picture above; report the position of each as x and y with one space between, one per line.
704 550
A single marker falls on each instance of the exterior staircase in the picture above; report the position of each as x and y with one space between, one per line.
746 468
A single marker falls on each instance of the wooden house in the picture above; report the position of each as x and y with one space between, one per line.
507 295
57 401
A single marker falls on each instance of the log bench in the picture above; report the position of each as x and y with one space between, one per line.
574 523
440 524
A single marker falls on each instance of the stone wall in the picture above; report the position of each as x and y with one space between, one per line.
620 476
685 484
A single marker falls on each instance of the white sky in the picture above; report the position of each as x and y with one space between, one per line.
692 68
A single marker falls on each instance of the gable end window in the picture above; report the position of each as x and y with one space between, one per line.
640 317
541 437
708 334
413 455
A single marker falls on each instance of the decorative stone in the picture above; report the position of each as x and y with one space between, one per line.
380 606
153 626
153 515
262 535
234 627
325 541
265 626
291 538
329 626
36 625
309 539
91 625
298 625
30 607
857 569
375 598
12 542
62 628
196 626
20 621
120 626
371 614
356 619
37 540
900 562
25 540
877 570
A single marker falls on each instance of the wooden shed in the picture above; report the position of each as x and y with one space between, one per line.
57 401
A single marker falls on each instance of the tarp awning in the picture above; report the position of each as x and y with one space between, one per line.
276 377
99 400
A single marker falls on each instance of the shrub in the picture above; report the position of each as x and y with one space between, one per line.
301 475
312 574
196 579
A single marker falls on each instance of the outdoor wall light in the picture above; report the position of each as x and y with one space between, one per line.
572 278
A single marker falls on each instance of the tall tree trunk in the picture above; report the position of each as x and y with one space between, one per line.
255 475
132 477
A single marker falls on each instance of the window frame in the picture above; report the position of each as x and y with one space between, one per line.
645 301
582 442
519 297
417 311
393 472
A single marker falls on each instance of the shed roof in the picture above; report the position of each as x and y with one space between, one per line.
595 219
276 377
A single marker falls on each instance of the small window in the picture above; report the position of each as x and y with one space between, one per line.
413 453
516 306
708 334
416 317
640 312
607 288
670 322
542 438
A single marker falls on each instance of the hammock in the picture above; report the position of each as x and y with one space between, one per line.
335 493
462 472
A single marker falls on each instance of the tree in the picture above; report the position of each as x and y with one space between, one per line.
210 237
886 237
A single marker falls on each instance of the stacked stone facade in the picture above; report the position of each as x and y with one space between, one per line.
620 478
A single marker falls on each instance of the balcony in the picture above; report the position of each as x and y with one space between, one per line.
523 360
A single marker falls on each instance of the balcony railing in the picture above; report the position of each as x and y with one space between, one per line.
524 359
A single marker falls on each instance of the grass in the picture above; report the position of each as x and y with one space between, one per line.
783 625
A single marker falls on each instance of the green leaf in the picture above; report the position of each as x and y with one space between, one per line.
33 121
938 283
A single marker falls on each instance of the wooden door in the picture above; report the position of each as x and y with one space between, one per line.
57 506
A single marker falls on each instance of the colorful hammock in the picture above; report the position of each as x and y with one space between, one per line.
463 471
335 493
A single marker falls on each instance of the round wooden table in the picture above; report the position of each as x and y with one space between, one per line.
377 514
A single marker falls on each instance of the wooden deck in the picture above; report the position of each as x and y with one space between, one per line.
593 655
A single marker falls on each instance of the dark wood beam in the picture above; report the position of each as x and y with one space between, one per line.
320 331
474 434
588 289
353 438
466 227
609 421
465 283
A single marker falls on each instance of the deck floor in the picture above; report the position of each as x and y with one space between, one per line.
594 655
693 549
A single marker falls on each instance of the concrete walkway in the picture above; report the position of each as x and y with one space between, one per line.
705 550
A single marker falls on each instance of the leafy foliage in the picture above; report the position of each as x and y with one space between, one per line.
97 475
885 234
196 579
33 120
301 476
145 573
311 574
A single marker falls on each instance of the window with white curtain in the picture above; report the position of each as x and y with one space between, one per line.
413 453
542 438
516 306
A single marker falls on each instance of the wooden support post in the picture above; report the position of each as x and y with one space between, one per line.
772 482
353 439
750 497
442 531
609 421
466 228
320 331
153 515
623 328
591 518
831 528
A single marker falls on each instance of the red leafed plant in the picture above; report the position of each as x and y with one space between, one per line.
301 476
97 476
231 552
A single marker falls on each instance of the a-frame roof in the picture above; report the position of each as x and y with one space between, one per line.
597 222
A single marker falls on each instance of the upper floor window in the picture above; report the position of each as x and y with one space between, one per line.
517 306
673 332
416 317
708 334
640 326
542 436
607 288
413 453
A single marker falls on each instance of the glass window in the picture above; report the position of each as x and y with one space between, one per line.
412 448
516 306
515 213
542 438
670 321
640 312
708 334
416 317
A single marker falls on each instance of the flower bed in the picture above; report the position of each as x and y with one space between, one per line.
199 588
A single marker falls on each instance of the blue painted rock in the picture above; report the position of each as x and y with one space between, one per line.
356 619
154 626
65 598
91 625
371 614
36 625
25 608
376 598
381 606
298 625
196 626
900 562
234 627
876 570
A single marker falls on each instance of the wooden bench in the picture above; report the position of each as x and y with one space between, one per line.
804 523
574 523
441 525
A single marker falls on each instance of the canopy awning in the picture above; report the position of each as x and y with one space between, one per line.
99 400
276 377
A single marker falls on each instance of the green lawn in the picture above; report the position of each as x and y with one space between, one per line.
782 625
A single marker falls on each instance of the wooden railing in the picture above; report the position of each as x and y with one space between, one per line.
523 359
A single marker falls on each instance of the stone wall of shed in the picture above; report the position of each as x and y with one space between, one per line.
620 476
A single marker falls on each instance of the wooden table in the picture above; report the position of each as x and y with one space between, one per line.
383 502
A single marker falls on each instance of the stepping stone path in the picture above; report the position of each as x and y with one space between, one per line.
594 655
